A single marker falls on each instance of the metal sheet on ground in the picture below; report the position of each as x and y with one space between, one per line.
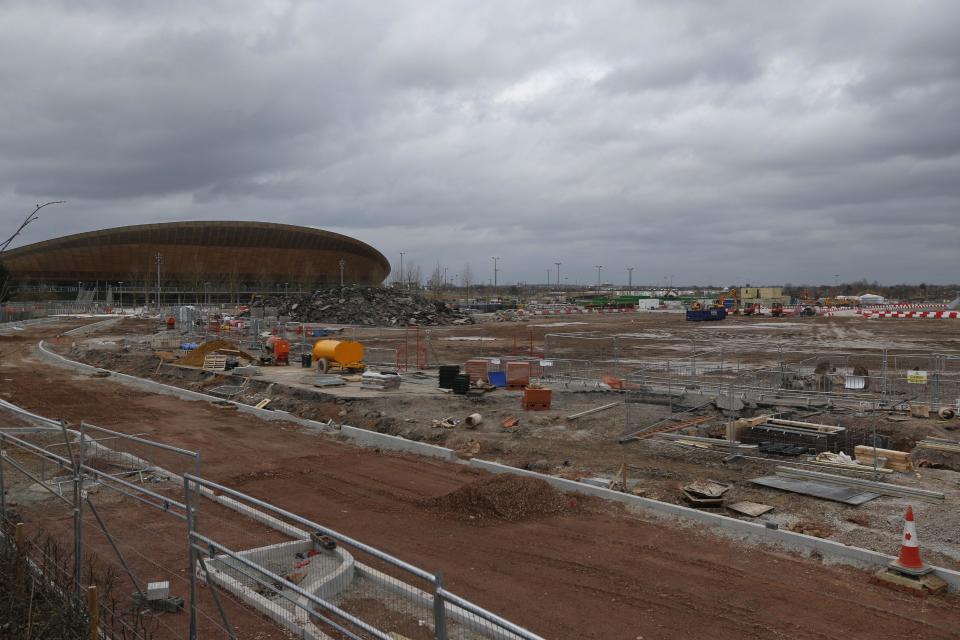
847 495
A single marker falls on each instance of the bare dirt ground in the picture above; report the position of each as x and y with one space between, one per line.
548 441
592 571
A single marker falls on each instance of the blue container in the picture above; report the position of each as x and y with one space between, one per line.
319 333
498 378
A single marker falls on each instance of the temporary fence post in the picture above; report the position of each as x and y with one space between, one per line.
439 608
192 559
77 512
216 598
94 608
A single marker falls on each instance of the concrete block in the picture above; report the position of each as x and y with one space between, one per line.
395 443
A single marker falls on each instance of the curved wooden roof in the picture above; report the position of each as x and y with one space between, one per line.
217 251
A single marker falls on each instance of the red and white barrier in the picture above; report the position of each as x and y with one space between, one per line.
942 315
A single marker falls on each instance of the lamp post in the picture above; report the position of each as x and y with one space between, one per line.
400 278
121 296
599 268
495 258
159 260
630 278
342 264
558 273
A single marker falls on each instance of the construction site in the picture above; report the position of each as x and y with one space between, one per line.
366 462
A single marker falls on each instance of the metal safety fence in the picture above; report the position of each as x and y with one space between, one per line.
193 558
316 581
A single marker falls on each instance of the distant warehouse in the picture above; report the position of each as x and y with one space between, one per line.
763 295
196 258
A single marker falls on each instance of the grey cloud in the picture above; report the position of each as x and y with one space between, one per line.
689 138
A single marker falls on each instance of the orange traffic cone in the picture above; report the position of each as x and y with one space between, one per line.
909 561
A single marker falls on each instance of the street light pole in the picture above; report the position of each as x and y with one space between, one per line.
558 273
495 258
630 278
400 278
342 263
121 297
159 260
599 267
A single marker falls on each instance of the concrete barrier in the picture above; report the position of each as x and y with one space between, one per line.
93 326
830 551
396 443
358 436
170 390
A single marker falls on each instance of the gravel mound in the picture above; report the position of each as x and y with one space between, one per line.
503 497
195 358
375 306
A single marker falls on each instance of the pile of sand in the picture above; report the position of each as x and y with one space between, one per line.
195 358
503 497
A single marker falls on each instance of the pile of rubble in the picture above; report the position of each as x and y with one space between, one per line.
375 306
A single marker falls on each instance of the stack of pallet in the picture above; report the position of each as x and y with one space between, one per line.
536 399
895 460
476 369
215 362
518 375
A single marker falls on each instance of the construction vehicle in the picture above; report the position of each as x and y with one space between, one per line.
276 351
752 309
344 355
776 309
697 312
729 301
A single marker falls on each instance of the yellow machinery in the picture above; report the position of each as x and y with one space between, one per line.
340 354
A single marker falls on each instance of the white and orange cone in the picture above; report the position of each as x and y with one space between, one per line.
909 559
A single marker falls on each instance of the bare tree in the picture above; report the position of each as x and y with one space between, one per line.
436 278
412 274
4 277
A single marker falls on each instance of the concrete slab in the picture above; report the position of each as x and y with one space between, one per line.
846 495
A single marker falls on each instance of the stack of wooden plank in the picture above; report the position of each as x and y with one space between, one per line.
940 444
895 460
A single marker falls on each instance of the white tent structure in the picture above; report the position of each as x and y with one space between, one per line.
872 298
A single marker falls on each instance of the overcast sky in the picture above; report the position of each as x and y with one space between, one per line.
724 142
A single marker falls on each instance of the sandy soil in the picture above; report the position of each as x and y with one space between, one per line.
592 572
